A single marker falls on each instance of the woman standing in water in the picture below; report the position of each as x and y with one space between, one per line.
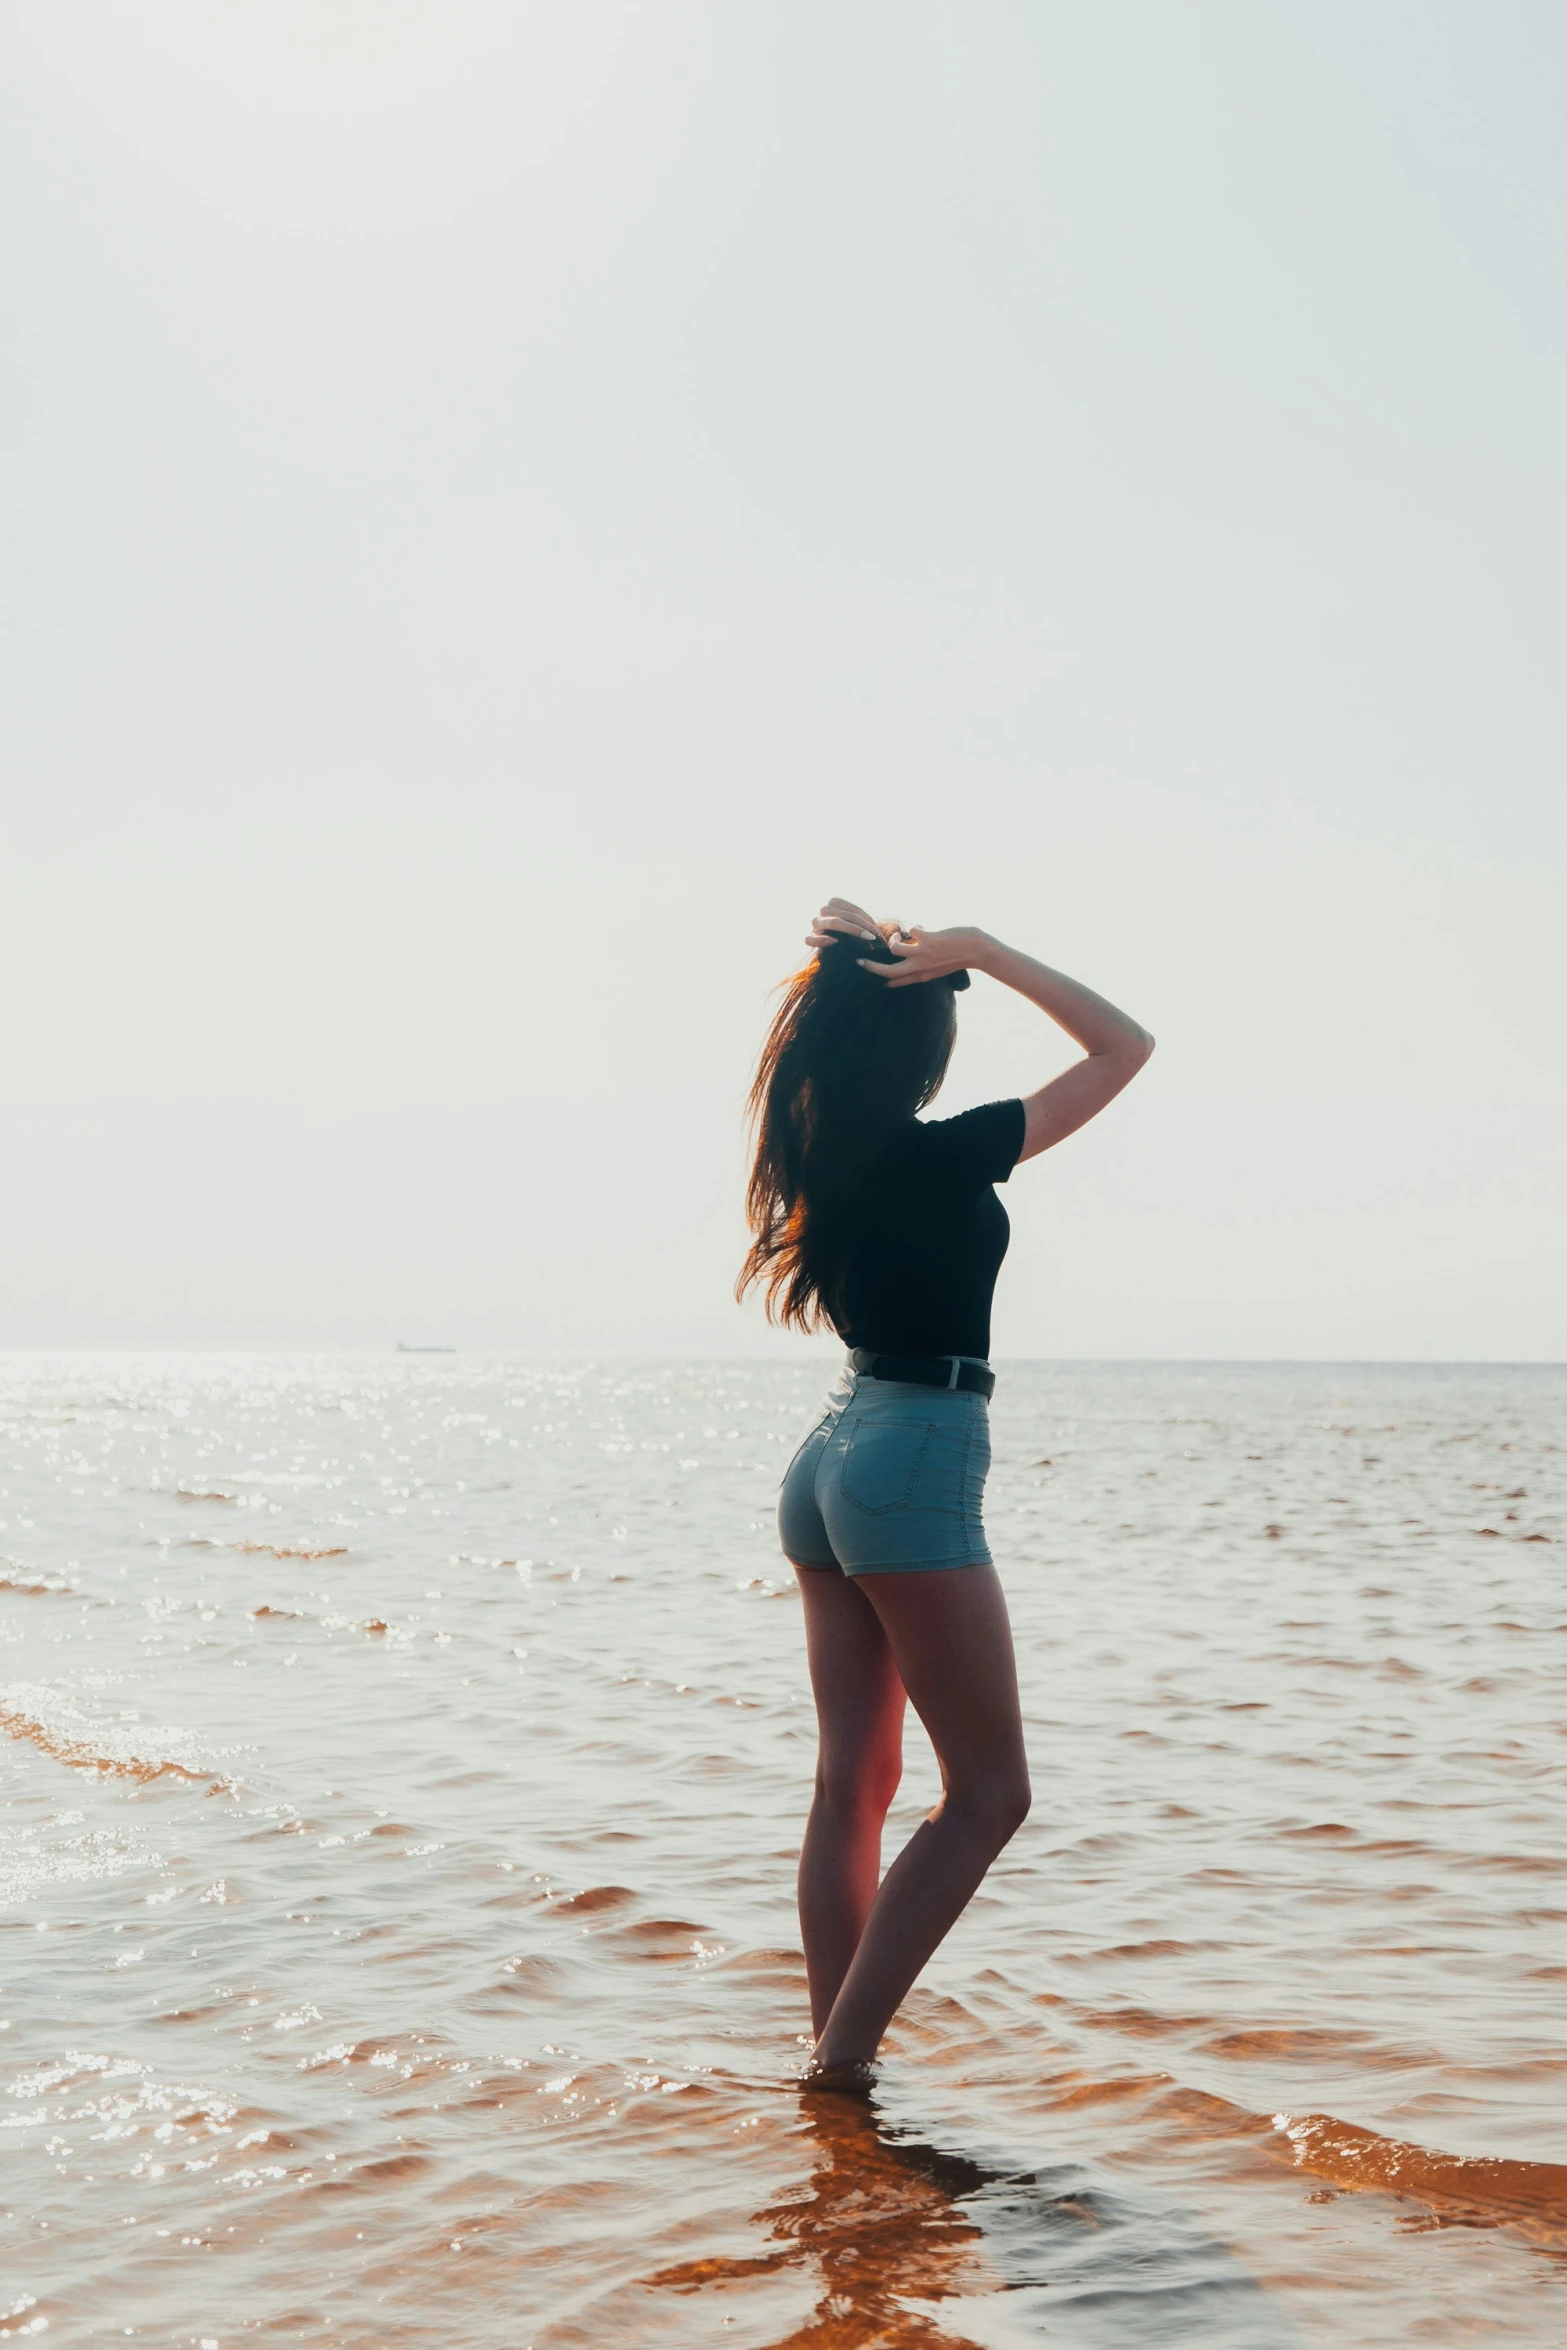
886 1229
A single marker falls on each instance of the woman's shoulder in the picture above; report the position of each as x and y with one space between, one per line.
982 1143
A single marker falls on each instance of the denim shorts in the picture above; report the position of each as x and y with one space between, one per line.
889 1479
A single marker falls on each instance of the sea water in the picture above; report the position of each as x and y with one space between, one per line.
405 1766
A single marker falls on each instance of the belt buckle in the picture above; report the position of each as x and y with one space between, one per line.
957 1364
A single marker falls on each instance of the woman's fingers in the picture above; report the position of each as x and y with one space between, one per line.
839 920
902 969
845 910
916 953
920 956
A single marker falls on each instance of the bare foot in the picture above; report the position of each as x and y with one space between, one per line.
857 2079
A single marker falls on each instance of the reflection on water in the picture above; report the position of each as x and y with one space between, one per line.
889 2228
404 1769
872 2226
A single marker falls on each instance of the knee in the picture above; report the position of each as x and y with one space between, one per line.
860 1787
995 1806
1010 1799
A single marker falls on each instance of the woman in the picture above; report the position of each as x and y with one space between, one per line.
886 1228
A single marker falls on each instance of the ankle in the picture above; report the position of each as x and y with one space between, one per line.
833 2054
854 2078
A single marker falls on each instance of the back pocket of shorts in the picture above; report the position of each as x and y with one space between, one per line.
882 1461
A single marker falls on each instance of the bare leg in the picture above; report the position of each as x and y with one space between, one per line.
950 1638
859 1714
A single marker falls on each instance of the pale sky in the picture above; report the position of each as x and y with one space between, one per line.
508 505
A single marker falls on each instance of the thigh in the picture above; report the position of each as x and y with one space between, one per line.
854 1678
951 1640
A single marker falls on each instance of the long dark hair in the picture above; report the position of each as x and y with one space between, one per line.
846 1060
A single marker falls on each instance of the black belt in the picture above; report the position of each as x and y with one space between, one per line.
949 1371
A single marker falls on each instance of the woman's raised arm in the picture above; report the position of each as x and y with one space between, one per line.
1115 1045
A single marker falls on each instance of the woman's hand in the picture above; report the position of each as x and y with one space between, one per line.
922 954
841 918
926 954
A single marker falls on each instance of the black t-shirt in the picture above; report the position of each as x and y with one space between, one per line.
930 1234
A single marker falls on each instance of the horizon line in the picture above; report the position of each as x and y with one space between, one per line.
395 1350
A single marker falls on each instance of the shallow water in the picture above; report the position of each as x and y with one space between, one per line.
405 1766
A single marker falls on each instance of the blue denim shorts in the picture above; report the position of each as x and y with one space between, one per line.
889 1480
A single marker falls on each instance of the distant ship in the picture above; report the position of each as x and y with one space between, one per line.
404 1348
